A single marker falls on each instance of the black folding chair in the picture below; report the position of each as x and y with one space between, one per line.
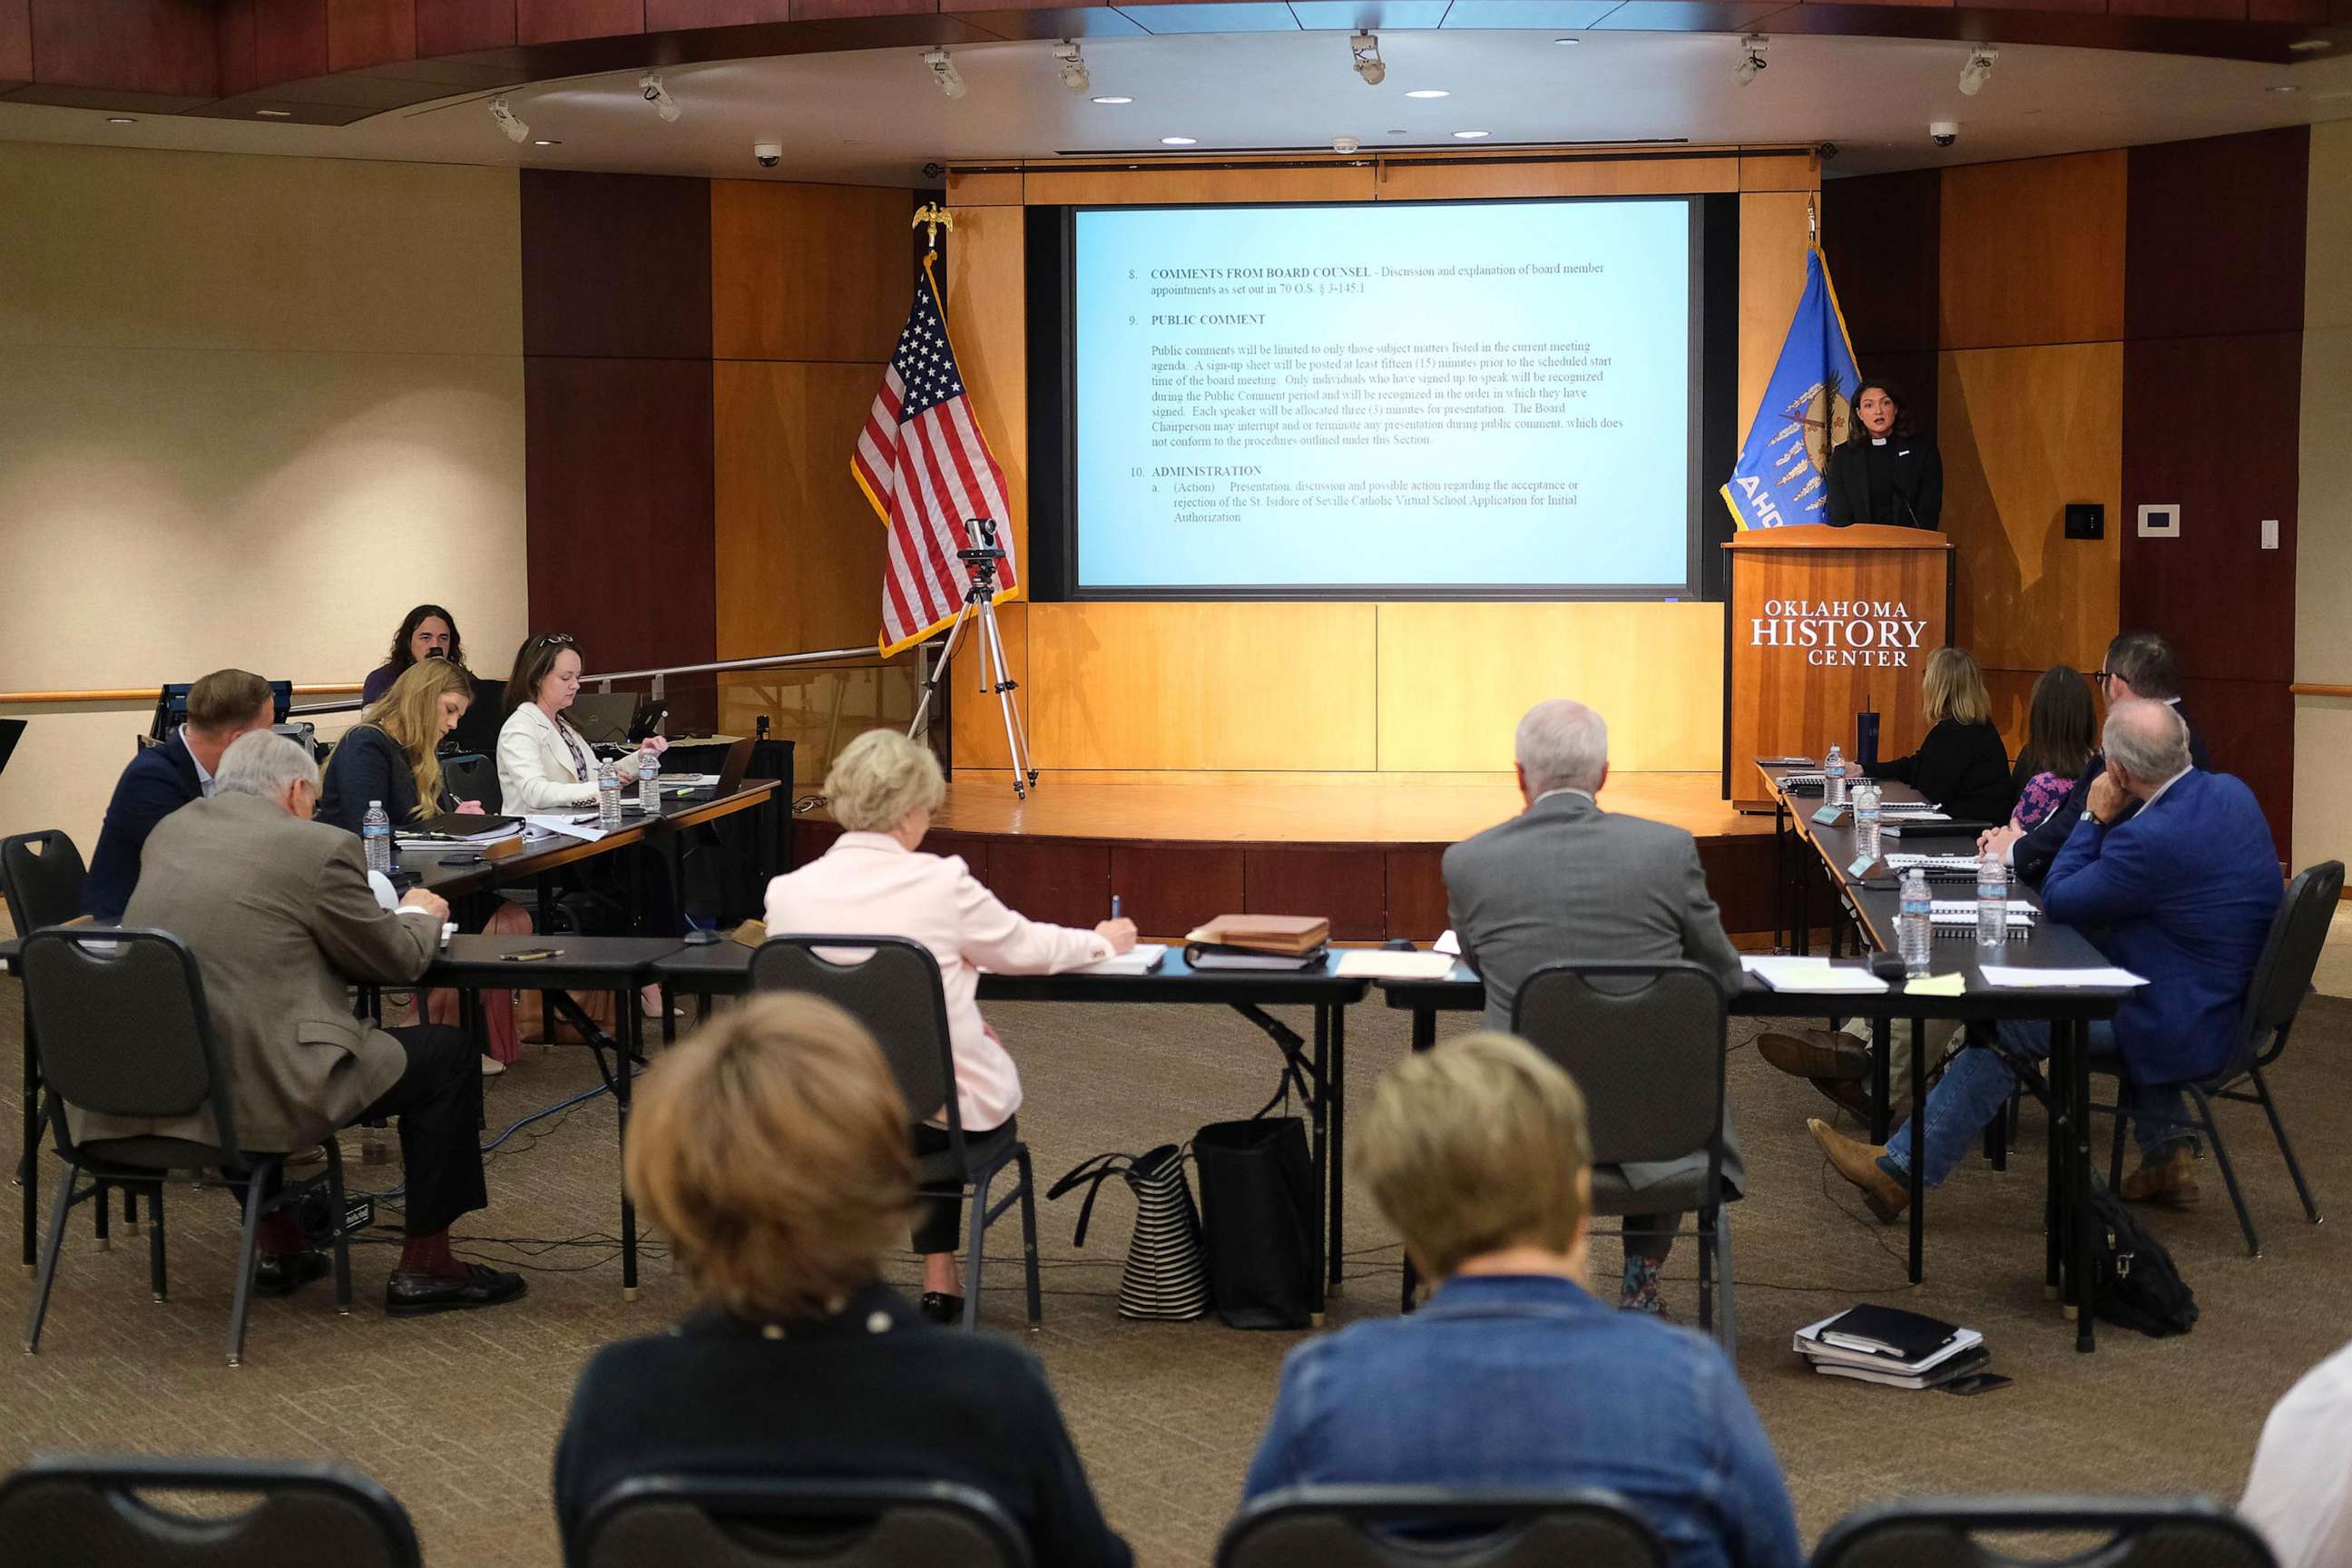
1646 1043
124 1032
62 1511
664 1522
895 991
469 775
1439 1527
2281 979
2139 1532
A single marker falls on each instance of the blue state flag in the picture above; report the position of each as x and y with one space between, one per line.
1781 476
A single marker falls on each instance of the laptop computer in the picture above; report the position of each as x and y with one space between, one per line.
731 774
603 718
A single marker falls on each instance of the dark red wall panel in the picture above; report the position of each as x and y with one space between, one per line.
1167 892
2210 425
2248 728
972 848
1416 893
363 33
616 266
666 16
1052 879
2214 236
15 40
459 26
553 21
167 46
1348 887
1881 236
617 470
289 40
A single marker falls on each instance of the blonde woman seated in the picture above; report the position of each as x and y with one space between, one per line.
771 1150
394 757
874 882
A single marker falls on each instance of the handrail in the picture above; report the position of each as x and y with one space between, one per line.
146 694
2318 688
770 662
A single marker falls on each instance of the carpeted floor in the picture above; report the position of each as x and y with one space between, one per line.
458 1415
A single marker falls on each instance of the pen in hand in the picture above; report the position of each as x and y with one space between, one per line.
1114 906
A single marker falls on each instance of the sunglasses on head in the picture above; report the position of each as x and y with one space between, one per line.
560 639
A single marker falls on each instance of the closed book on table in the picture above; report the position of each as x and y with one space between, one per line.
1296 934
462 825
1909 827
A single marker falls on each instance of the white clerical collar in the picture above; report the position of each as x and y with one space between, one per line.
1878 440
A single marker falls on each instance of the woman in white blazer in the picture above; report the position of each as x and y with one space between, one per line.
545 765
874 880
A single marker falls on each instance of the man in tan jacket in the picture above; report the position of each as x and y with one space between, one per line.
279 915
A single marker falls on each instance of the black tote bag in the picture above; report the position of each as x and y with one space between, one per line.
1258 1203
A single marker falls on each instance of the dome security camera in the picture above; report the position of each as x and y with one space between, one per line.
1943 132
768 154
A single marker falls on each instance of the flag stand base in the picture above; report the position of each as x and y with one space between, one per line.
979 609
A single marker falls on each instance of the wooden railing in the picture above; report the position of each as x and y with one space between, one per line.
139 694
2318 689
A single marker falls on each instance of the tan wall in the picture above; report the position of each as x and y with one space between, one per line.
255 408
2323 652
1398 687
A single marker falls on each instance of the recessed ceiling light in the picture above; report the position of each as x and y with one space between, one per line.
121 120
1429 92
1396 132
1180 140
1114 101
2310 46
275 113
546 141
2283 86
1570 41
1470 135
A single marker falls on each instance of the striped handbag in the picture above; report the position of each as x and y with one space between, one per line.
1165 1280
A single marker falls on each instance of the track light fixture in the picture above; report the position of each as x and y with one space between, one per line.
650 84
1074 66
943 70
507 121
1752 58
1979 71
1365 48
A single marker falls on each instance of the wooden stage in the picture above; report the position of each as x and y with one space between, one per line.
1363 850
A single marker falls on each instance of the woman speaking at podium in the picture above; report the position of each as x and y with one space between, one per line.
1885 473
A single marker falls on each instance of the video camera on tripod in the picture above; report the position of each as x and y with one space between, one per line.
982 558
995 676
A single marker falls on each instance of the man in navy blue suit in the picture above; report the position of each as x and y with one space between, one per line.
2172 872
161 779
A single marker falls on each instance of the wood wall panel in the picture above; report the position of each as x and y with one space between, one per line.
2024 431
1052 879
994 188
461 26
363 33
618 482
2215 239
615 265
2328 244
1773 243
971 848
1348 887
1879 232
1245 686
2249 727
15 40
289 40
667 16
1780 172
554 21
798 551
2033 251
166 46
2212 423
1416 894
1167 891
1913 377
1407 181
1174 187
808 272
1455 679
986 281
1740 874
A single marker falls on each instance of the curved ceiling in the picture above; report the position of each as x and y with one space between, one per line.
876 116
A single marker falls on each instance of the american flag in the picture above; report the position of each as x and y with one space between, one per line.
922 462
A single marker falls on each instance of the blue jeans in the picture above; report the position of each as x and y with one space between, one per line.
1978 1084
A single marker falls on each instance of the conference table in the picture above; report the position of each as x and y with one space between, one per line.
1868 894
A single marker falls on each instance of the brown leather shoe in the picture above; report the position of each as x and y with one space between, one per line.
2170 1183
1851 1095
1815 1053
1858 1163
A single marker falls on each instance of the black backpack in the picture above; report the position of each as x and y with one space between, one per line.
2132 1280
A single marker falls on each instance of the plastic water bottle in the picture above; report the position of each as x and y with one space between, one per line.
1992 901
1866 816
1833 778
1915 927
608 797
375 834
649 784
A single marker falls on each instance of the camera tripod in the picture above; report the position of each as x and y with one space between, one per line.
980 606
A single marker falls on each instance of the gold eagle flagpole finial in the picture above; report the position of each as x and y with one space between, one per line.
931 218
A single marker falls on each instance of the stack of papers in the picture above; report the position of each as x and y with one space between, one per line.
1378 963
2011 976
1142 959
570 825
1897 1349
1787 973
1936 866
1919 808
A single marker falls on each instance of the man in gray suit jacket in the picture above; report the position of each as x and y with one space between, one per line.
280 917
1565 880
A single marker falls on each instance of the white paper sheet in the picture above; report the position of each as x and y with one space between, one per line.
567 823
1377 964
1810 975
2033 979
1142 959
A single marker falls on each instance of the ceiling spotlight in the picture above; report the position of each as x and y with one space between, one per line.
2283 86
121 120
1429 92
1979 71
546 141
275 113
1114 101
507 121
1568 41
943 72
1366 48
1752 58
1074 69
650 84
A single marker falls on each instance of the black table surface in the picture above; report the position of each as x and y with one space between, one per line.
430 863
579 963
724 967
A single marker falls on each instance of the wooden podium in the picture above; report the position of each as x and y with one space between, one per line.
1822 624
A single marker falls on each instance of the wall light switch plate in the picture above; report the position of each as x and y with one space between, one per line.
2270 533
2160 521
2086 520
